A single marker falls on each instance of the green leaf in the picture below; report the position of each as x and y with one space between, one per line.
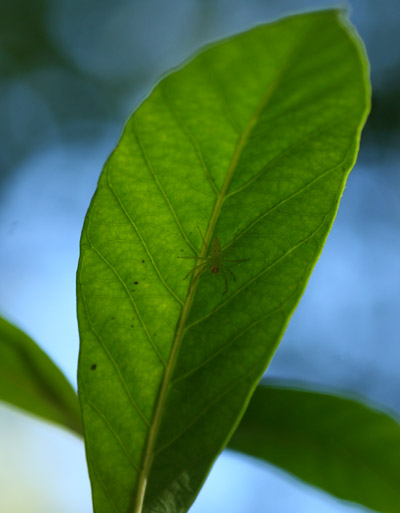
31 381
337 444
252 141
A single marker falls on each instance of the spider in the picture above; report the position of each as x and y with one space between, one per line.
215 261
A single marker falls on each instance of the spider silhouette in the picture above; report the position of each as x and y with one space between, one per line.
214 261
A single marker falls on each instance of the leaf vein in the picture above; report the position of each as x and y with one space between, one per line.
220 92
134 226
255 277
103 485
160 188
132 301
292 196
231 341
112 430
283 153
114 363
186 131
197 417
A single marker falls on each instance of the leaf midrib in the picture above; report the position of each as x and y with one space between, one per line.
155 425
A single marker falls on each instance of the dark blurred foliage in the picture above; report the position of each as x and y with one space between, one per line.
42 91
70 68
383 128
25 44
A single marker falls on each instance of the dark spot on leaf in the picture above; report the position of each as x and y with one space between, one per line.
132 326
143 261
94 367
112 318
136 283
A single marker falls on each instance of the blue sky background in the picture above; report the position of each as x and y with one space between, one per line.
66 90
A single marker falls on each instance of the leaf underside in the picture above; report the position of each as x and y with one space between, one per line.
251 141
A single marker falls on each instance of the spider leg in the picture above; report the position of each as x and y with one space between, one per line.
202 238
194 269
225 268
225 279
200 272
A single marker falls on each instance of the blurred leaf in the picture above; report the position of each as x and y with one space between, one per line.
338 444
25 42
31 381
252 141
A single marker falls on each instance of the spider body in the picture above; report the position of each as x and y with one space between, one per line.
214 262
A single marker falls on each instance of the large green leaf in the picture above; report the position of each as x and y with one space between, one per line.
340 445
31 381
254 137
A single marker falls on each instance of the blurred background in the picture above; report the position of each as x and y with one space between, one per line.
72 72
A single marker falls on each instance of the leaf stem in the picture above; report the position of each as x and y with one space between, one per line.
155 425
